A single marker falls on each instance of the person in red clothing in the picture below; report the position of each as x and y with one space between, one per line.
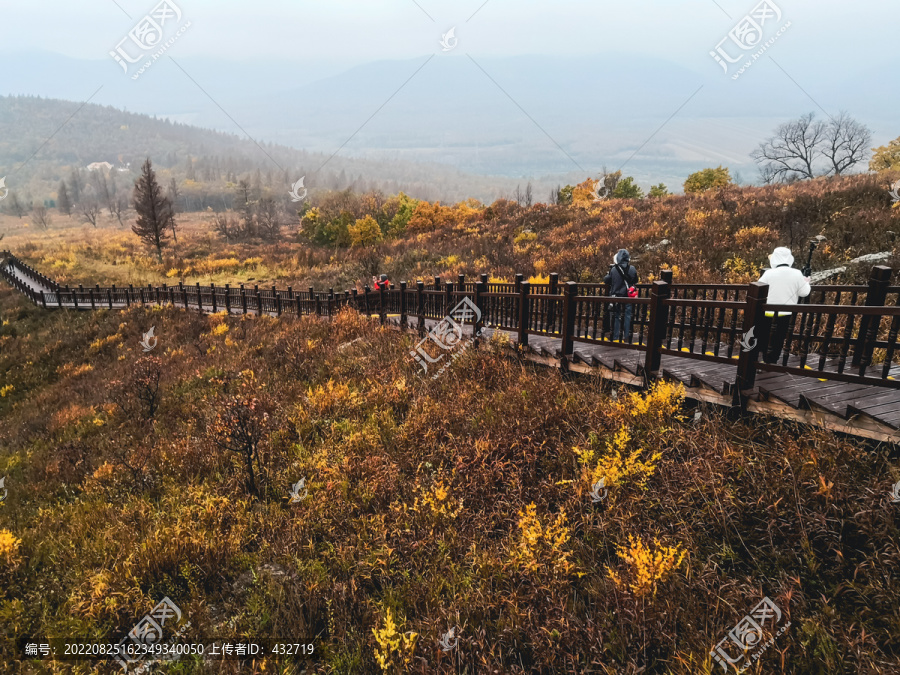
381 283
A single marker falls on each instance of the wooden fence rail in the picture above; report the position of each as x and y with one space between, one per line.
839 333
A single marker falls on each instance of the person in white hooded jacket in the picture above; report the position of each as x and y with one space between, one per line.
786 286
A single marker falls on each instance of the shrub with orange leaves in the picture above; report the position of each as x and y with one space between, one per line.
542 543
646 566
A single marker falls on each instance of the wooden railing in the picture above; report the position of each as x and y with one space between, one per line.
839 333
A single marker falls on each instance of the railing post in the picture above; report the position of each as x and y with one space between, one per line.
215 305
656 329
448 297
403 304
228 299
299 305
666 275
551 305
109 295
879 280
243 299
519 279
93 301
382 310
479 321
366 291
183 293
259 307
43 300
158 301
318 302
74 296
568 327
354 294
754 313
461 283
420 307
199 298
437 287
277 301
484 280
128 294
524 308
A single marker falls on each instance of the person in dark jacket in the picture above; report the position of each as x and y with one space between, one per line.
622 276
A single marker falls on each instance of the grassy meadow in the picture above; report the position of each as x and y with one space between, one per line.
464 502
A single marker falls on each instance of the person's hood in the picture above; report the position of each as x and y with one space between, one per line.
622 257
781 256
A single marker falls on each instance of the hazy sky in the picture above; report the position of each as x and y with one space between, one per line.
825 34
835 56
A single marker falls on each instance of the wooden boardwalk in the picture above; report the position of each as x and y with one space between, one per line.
862 410
827 376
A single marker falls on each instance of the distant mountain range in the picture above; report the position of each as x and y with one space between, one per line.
548 119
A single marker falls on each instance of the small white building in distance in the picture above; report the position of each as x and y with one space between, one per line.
99 165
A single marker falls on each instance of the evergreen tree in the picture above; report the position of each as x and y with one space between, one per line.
62 199
76 185
154 210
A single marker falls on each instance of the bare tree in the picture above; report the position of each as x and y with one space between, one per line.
120 207
89 210
40 215
791 153
14 206
225 226
846 143
102 188
529 196
173 194
797 146
554 195
269 218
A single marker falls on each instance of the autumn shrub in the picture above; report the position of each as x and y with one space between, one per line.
239 425
139 393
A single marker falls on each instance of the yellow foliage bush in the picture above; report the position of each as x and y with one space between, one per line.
524 237
645 566
739 271
754 236
617 465
437 502
6 389
100 343
332 397
540 545
395 649
9 546
73 370
663 401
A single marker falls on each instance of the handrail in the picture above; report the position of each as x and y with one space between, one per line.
841 342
